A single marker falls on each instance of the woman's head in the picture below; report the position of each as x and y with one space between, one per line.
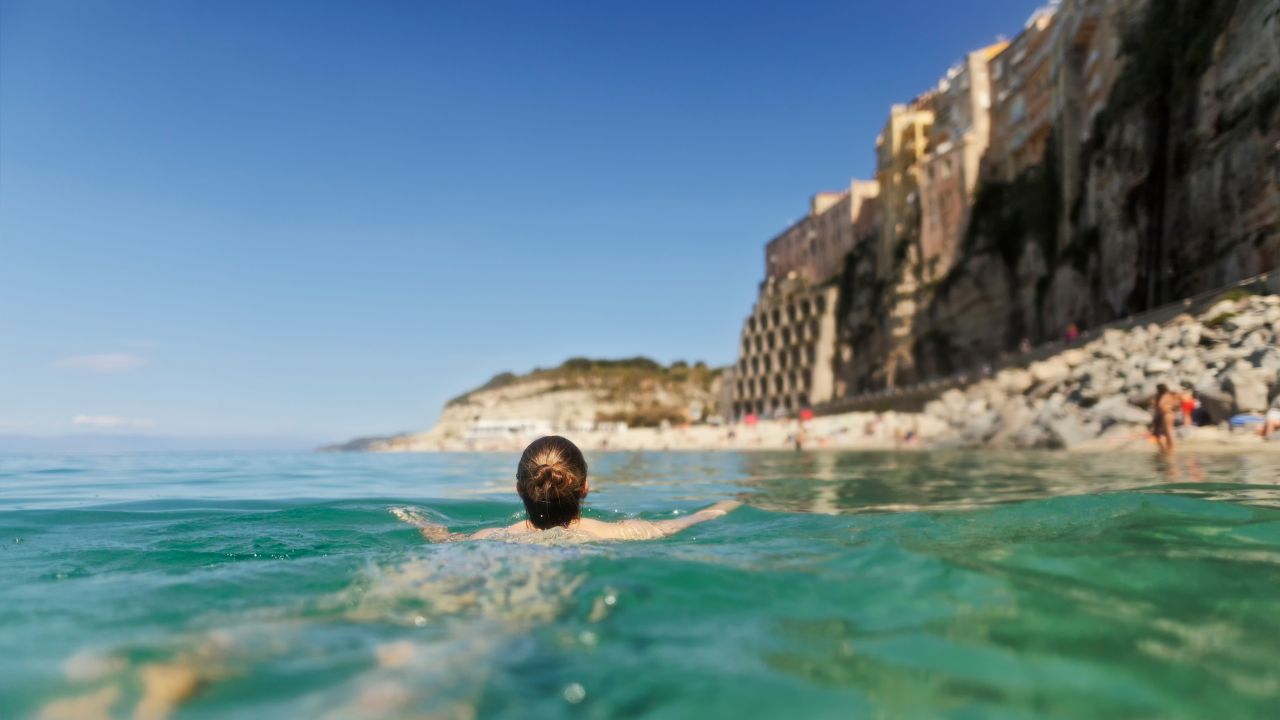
552 481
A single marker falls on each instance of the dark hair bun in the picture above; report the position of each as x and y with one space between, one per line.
551 479
548 481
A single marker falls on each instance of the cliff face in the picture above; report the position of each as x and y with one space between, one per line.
1179 190
576 396
1174 189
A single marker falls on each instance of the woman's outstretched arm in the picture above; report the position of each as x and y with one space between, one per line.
675 525
431 531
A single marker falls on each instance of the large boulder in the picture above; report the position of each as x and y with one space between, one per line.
980 428
1100 389
1191 335
1111 345
1248 387
1214 400
937 409
1118 410
1267 358
1048 372
1073 357
1224 307
1243 323
1272 316
1014 416
954 400
1069 430
1014 381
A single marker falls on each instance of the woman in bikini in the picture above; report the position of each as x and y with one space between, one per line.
1163 411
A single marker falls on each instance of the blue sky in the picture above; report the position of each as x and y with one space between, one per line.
323 219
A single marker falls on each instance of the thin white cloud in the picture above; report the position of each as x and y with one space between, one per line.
108 421
103 362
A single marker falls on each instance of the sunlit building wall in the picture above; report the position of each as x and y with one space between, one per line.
1023 109
788 342
899 147
948 174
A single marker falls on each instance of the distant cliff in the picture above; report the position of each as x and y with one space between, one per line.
579 394
1174 189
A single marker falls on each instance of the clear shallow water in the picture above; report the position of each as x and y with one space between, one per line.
853 585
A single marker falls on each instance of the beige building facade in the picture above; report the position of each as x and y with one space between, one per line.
899 147
947 175
787 345
1023 108
814 247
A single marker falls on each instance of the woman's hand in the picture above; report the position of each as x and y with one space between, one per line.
724 507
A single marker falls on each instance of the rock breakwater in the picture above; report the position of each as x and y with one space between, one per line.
1228 356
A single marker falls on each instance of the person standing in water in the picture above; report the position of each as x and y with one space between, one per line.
1163 411
551 479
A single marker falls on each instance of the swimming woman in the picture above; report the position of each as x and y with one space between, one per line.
551 479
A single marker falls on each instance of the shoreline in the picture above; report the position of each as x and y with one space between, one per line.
1094 397
833 433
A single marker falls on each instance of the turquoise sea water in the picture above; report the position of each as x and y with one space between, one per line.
851 585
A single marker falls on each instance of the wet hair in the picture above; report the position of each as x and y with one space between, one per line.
1161 389
550 479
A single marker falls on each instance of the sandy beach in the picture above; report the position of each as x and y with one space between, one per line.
848 431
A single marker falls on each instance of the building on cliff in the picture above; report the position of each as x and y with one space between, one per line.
1130 158
787 343
900 146
948 173
1022 114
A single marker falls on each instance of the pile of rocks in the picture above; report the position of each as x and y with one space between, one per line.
1229 356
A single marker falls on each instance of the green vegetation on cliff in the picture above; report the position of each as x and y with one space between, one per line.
644 391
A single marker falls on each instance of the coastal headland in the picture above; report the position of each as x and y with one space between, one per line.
1095 395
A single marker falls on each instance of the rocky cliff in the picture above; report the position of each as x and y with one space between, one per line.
578 395
1174 189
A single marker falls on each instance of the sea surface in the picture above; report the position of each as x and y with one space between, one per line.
966 585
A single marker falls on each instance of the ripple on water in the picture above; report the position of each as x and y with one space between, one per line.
1019 585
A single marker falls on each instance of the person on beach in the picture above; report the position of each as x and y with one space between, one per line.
1186 411
551 479
1163 411
1188 403
1271 422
